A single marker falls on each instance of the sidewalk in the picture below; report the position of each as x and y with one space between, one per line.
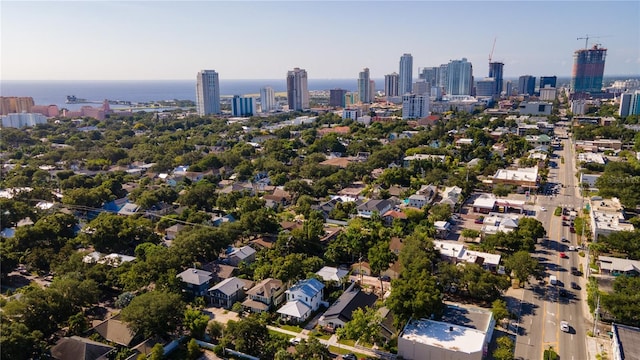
333 341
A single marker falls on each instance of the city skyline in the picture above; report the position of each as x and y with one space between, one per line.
144 40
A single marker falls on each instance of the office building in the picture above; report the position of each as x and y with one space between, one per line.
495 72
391 84
548 93
459 77
548 81
486 87
372 90
508 88
297 89
406 74
267 99
430 75
364 86
243 106
629 104
588 69
443 77
421 88
526 85
207 93
415 106
337 97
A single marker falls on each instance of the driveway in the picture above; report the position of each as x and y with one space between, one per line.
221 315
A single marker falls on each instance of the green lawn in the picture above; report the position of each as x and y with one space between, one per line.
347 342
291 328
324 336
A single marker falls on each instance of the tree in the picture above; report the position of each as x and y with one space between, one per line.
505 348
196 322
380 256
157 352
523 265
154 313
364 325
78 324
415 294
440 212
215 329
249 335
19 342
312 349
499 310
470 233
193 350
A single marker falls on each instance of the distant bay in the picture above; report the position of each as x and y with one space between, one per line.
55 92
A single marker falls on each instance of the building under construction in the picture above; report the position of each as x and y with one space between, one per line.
588 69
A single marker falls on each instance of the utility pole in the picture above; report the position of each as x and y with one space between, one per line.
596 317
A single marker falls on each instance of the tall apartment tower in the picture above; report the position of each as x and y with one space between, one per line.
337 97
364 86
391 84
495 71
372 90
526 85
415 106
443 77
459 77
297 89
207 92
430 75
551 81
405 81
267 99
243 106
629 104
588 69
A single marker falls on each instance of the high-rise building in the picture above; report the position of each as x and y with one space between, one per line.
207 92
588 69
548 80
297 89
508 88
629 104
443 77
267 99
459 77
391 84
421 87
372 90
336 97
415 106
364 86
15 104
243 106
486 88
405 79
495 71
430 75
526 85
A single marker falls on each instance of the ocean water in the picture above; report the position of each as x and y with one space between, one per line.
55 92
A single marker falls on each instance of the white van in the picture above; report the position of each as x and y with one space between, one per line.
553 280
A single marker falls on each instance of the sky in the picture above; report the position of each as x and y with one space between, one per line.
163 40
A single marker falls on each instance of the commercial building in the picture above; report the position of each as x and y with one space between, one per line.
464 333
629 104
486 87
624 342
525 177
607 216
415 106
495 72
588 69
337 97
207 92
405 79
526 85
243 106
391 85
364 86
535 108
459 77
430 75
550 81
421 88
548 93
24 119
267 99
297 89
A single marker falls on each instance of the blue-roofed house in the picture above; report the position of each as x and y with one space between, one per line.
303 299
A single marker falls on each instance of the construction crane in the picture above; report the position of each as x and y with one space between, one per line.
492 48
586 39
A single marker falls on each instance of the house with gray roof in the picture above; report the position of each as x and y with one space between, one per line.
617 266
624 342
303 298
367 209
227 292
244 254
79 348
340 312
196 281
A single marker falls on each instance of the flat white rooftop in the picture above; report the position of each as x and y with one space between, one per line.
444 335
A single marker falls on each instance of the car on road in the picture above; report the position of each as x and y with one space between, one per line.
563 255
542 208
385 278
572 229
349 356
564 326
563 293
565 240
572 248
574 271
575 286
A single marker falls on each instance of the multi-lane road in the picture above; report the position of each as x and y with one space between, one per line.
543 305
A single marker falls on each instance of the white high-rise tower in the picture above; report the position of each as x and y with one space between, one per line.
405 80
207 92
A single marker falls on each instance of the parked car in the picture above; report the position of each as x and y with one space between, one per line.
575 286
574 271
479 220
350 356
563 293
563 255
572 229
295 341
542 208
565 240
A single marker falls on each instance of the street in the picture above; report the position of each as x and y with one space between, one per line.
543 305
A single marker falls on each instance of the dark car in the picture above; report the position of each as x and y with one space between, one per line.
563 292
350 356
572 229
575 286
479 220
574 271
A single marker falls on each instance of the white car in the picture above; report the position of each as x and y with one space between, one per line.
542 208
564 326
295 341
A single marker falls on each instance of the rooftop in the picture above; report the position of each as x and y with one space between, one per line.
195 276
628 341
329 273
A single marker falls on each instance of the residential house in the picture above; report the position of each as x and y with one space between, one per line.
196 281
171 232
496 222
367 209
116 331
340 312
361 268
326 207
387 330
264 295
429 191
79 348
278 198
451 196
219 271
442 229
303 298
457 253
333 275
129 209
227 292
418 201
391 215
244 254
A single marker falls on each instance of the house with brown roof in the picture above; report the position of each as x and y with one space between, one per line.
79 348
116 331
266 294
